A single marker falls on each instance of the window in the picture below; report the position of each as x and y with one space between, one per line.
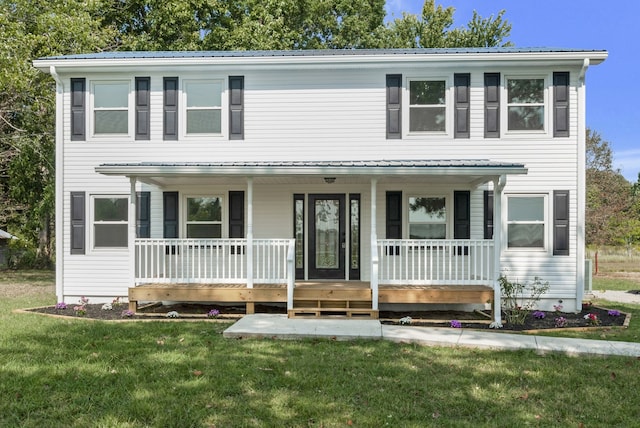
110 108
204 217
110 222
203 107
427 106
525 104
427 218
526 221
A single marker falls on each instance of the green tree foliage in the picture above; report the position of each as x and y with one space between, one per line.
433 30
612 204
30 29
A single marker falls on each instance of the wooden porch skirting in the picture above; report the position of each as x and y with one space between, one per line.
316 298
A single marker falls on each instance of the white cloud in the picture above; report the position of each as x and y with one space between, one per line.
629 163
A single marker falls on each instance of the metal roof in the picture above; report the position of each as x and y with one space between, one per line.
342 167
118 55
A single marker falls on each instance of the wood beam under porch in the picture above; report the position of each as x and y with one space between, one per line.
313 298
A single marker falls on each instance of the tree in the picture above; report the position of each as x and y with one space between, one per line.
433 30
31 29
610 201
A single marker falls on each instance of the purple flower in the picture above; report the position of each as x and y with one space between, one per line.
456 324
61 305
127 314
539 315
213 313
614 313
561 322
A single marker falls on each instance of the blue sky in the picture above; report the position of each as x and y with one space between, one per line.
612 98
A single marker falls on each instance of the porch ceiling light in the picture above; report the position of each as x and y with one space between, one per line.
329 180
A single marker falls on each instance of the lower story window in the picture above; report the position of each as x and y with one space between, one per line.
110 222
526 221
427 218
204 217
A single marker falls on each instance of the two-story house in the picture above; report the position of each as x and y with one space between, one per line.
335 181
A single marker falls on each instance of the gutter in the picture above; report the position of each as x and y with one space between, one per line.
59 197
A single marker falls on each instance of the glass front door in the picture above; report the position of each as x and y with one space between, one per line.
327 239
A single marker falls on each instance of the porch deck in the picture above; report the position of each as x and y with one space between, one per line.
312 298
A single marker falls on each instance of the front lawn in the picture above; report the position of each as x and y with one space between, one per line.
79 373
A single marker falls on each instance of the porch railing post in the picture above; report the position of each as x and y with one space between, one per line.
291 273
374 246
249 233
132 230
498 186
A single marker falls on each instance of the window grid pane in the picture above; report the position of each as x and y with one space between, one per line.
111 95
204 121
111 122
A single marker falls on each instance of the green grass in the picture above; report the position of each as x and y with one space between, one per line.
614 283
78 373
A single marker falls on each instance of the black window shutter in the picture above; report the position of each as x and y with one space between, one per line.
170 121
170 214
561 104
488 214
561 223
462 82
461 214
78 223
492 105
78 109
143 214
236 214
394 106
394 215
143 102
236 107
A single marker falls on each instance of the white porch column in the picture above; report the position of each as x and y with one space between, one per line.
374 246
498 186
132 230
249 232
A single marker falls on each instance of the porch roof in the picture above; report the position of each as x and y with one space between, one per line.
468 170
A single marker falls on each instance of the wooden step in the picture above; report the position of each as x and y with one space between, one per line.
333 312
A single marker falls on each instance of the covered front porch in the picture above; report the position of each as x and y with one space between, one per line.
253 267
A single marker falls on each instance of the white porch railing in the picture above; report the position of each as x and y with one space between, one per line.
214 261
435 262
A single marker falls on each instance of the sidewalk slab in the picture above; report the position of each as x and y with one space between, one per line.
496 340
278 326
422 335
572 346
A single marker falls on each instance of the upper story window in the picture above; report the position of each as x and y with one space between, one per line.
204 217
111 108
427 217
203 101
526 221
526 104
427 106
110 222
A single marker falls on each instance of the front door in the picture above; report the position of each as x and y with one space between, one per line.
327 236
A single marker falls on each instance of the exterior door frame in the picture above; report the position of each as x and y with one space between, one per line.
315 272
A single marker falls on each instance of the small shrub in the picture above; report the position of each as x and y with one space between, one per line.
61 305
592 319
173 314
405 321
127 313
613 313
213 313
519 298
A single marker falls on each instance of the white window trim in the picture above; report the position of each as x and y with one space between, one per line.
448 105
504 113
130 110
547 235
92 222
224 109
223 223
448 223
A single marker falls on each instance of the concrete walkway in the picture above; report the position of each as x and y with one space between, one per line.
278 326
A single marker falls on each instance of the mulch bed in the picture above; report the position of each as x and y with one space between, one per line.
473 320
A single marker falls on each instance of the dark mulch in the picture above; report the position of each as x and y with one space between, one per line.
477 321
419 318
